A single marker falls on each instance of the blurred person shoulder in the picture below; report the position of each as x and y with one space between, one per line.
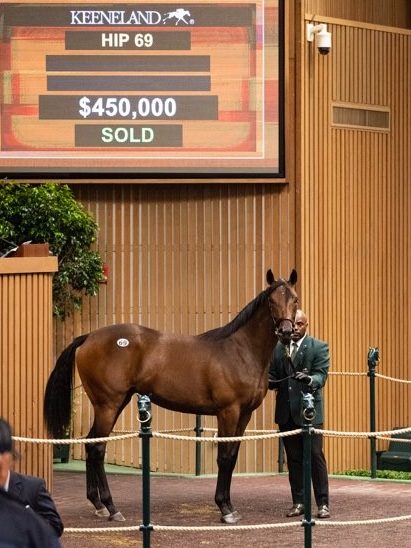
20 527
32 491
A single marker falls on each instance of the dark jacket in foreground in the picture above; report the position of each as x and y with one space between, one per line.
20 527
313 356
31 491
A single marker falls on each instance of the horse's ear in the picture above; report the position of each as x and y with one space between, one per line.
270 277
293 277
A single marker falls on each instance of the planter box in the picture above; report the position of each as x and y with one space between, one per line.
33 250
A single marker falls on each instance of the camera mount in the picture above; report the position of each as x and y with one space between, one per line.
322 37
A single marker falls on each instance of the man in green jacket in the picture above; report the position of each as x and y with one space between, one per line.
299 368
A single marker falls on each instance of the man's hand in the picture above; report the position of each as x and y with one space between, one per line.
303 377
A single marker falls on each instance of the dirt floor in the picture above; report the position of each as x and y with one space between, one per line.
259 499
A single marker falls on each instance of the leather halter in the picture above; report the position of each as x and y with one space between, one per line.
278 321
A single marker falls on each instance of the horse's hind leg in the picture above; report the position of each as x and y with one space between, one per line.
98 491
93 492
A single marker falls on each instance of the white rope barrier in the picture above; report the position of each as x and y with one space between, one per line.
391 378
336 433
67 441
365 521
349 373
229 438
123 529
394 439
235 528
220 528
277 525
271 434
170 431
203 429
352 374
214 439
363 374
262 434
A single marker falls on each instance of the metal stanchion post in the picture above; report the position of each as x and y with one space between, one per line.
373 357
308 413
144 411
198 429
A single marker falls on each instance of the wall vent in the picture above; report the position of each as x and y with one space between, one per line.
362 117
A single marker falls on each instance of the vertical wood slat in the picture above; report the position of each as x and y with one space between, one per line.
395 13
26 355
355 200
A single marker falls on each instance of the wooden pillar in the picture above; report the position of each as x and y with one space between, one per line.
26 326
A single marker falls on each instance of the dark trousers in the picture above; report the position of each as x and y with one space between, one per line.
294 450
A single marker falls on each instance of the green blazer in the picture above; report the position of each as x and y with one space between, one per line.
313 355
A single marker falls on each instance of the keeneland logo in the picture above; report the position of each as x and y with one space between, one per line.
135 17
180 14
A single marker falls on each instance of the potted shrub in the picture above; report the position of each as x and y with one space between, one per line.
49 214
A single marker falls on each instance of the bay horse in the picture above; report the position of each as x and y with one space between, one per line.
222 372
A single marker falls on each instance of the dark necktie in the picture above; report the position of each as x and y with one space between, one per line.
294 350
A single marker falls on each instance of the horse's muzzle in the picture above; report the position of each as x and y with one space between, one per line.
284 330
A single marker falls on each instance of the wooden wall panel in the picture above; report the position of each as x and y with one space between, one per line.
394 13
183 259
26 355
354 226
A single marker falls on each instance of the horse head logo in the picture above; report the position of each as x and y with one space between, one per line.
180 14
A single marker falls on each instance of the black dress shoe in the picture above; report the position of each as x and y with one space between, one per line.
296 510
323 511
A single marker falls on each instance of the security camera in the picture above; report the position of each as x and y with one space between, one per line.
322 37
323 42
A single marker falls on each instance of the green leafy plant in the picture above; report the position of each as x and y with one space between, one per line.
383 474
49 213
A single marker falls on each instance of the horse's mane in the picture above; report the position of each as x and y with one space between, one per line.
242 317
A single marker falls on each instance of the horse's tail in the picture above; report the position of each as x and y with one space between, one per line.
58 395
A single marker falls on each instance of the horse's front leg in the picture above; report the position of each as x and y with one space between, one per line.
226 460
229 424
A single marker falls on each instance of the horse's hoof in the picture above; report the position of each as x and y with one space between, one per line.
237 514
102 512
230 519
118 516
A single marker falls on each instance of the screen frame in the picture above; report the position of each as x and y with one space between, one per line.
82 173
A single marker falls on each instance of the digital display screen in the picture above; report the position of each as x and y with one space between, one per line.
141 88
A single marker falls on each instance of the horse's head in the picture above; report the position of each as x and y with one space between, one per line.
283 303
